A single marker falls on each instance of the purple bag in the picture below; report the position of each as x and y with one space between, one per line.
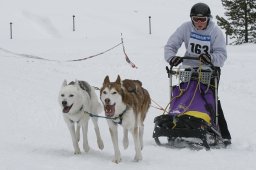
194 101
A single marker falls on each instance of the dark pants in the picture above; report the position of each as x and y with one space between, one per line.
221 119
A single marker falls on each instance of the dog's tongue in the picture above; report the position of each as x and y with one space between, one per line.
109 110
66 109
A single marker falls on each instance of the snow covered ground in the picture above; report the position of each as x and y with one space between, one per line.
33 133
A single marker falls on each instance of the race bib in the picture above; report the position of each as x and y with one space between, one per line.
198 44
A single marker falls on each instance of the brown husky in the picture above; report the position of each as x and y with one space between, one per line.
126 103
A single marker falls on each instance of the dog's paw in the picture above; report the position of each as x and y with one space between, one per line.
86 148
125 143
100 144
117 160
137 158
77 152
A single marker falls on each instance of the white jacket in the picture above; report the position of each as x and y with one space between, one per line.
218 50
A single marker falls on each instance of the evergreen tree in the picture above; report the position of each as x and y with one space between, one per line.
241 20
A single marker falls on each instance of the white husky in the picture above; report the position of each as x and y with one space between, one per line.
77 99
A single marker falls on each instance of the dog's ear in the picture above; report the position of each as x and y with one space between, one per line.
118 80
64 83
106 81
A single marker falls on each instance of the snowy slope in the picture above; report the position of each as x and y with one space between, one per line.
33 133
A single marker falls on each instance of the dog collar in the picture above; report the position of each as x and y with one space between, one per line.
119 118
71 121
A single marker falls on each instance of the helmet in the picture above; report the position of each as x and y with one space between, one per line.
200 10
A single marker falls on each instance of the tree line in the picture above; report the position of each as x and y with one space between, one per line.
240 20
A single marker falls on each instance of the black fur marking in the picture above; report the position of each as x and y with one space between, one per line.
83 85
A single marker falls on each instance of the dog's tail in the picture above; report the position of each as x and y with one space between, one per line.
145 104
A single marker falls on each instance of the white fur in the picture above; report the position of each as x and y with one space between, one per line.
80 98
129 123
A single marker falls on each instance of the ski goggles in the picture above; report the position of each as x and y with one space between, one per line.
201 19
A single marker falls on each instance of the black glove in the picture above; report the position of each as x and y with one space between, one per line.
175 61
205 58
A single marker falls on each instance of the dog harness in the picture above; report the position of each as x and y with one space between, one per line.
116 120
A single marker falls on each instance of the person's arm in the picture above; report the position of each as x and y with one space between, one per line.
173 44
219 52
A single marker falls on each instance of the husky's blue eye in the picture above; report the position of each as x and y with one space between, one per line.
71 95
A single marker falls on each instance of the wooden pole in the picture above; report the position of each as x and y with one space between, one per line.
10 30
149 20
74 22
226 38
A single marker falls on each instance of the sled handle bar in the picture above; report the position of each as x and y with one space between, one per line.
170 71
191 58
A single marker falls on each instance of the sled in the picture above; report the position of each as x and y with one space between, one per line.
192 118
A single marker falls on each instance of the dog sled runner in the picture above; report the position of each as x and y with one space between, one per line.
192 118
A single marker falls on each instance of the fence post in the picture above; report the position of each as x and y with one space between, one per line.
149 20
74 22
10 30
